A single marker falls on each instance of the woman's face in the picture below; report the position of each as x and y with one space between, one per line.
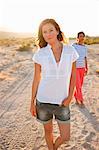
81 38
49 33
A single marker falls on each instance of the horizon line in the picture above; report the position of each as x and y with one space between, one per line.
34 33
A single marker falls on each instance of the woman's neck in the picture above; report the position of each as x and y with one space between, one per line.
56 46
80 43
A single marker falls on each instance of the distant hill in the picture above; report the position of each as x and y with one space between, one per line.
7 35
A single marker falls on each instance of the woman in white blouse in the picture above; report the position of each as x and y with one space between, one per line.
53 82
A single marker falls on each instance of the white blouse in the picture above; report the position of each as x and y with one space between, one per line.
55 78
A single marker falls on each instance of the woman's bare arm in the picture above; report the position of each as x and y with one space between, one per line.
86 65
36 79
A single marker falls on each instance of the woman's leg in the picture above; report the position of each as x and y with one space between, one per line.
82 71
78 90
64 134
48 128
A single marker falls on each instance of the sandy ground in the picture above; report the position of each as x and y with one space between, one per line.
19 130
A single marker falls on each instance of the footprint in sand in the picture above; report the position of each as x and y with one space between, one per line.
85 132
92 113
90 136
88 146
22 145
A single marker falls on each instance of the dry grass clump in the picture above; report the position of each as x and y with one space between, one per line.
91 40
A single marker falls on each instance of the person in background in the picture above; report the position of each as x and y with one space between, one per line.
81 67
53 83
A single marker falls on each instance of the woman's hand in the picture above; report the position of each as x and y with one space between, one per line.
66 101
86 72
33 109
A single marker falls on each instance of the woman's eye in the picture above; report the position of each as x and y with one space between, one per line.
45 32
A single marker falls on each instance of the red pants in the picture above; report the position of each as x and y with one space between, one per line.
79 82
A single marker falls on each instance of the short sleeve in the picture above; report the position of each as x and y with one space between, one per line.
75 55
36 58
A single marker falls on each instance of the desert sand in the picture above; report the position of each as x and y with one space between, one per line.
19 130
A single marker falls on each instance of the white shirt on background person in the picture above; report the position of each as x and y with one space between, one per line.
82 51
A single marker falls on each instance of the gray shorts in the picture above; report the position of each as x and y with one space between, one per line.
46 111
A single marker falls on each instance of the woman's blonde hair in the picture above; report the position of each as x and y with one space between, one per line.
60 36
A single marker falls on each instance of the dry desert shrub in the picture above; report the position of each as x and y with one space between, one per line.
91 40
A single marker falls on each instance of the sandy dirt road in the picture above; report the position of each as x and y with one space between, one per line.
19 130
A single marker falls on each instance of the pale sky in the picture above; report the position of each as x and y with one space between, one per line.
72 15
